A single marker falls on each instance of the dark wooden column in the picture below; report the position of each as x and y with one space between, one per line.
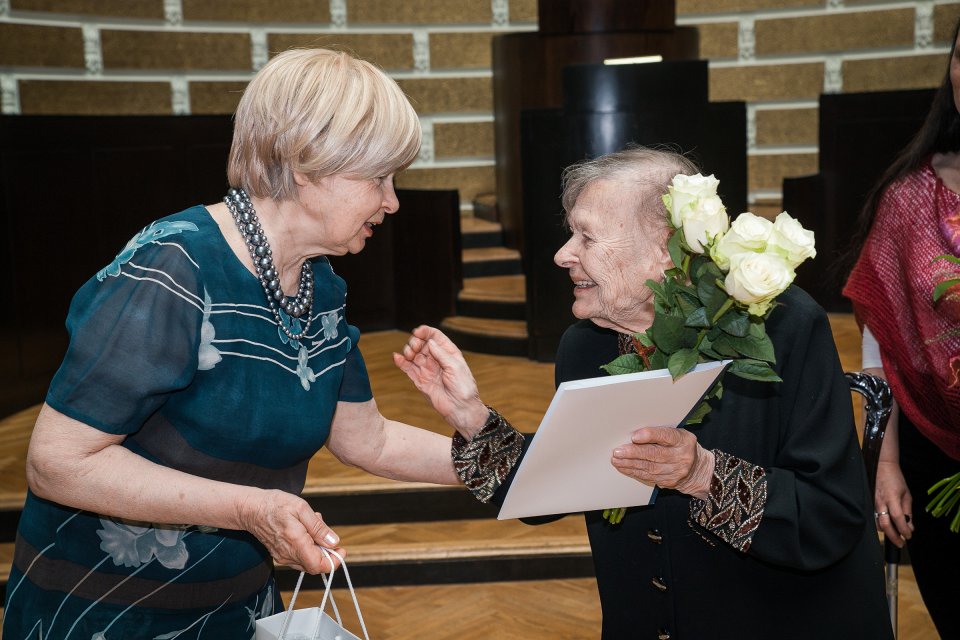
528 68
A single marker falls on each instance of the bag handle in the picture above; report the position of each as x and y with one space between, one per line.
328 583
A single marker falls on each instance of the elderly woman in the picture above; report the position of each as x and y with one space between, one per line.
762 527
165 464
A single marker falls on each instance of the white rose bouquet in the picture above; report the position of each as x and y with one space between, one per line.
713 303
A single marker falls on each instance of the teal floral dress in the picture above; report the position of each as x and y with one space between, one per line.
172 345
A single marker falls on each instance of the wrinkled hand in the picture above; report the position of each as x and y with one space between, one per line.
438 369
667 457
894 503
290 530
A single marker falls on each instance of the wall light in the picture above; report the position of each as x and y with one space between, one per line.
636 60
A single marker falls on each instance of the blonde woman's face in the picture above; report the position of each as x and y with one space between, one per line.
343 211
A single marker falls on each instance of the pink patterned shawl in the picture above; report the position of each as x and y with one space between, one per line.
891 287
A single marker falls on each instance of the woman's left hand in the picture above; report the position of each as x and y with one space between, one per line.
667 457
437 368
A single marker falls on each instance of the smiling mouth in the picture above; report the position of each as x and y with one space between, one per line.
583 284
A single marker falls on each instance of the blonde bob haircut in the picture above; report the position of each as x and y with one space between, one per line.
319 112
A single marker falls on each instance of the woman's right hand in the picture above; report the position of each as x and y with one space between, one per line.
290 530
437 368
893 503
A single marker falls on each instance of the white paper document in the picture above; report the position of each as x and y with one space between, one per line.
567 467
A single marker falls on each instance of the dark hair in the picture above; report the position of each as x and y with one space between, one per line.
940 133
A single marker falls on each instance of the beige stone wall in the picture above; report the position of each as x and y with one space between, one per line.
194 56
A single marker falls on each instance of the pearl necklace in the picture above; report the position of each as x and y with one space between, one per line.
238 202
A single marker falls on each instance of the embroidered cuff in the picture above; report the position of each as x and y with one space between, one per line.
734 508
487 459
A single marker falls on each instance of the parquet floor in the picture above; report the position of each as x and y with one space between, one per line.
531 610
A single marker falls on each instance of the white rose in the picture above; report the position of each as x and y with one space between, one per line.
748 232
755 279
703 222
685 191
791 240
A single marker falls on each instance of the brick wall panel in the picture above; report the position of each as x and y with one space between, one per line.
787 126
945 17
767 172
37 46
93 97
155 50
449 95
470 181
523 11
213 98
392 51
685 7
768 209
460 50
837 32
886 74
801 81
144 9
258 11
463 139
421 12
719 40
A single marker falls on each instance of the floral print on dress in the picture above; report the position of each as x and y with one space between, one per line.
208 355
151 233
303 369
293 326
329 323
133 545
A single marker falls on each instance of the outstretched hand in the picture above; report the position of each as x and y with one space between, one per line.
437 368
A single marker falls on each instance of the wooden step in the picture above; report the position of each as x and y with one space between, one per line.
510 329
489 254
511 289
487 335
490 261
473 224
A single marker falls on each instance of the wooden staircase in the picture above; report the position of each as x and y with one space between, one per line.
491 311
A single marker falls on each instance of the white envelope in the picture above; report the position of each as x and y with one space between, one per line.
567 467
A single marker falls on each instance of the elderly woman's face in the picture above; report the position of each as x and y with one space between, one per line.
344 210
610 255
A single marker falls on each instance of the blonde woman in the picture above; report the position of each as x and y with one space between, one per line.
207 364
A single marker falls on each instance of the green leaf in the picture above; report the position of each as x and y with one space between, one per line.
698 319
699 413
644 338
721 344
754 348
657 287
711 296
943 287
670 335
687 303
696 266
754 370
676 251
682 362
736 323
658 360
948 257
627 363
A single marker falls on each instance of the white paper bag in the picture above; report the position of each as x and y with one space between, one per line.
312 623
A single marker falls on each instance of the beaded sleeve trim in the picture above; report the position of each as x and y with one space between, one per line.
734 508
485 461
